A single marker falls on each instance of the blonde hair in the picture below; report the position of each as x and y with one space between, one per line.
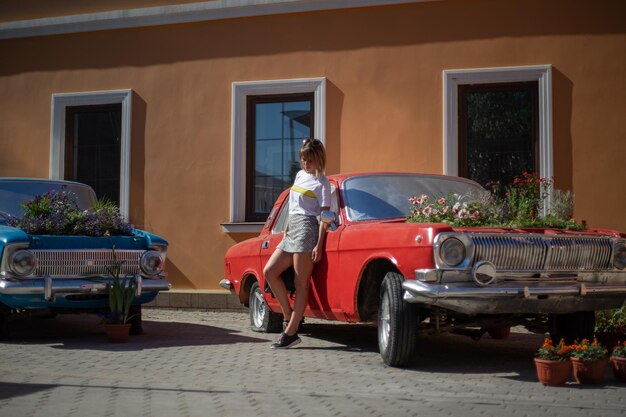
314 149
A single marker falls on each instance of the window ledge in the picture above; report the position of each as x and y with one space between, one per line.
247 227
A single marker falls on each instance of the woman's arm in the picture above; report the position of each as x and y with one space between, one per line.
319 248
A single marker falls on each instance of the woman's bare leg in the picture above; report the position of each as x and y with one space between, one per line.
303 266
279 262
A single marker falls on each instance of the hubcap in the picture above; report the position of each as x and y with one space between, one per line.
383 323
257 306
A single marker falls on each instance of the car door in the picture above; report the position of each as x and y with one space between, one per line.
322 302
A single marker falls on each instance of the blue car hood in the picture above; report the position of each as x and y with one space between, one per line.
139 240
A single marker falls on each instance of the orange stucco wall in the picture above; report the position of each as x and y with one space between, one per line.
384 100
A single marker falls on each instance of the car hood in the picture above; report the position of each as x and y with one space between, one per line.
139 240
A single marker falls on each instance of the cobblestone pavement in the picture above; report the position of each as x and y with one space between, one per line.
208 363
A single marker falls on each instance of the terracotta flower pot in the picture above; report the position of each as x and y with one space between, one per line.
552 373
589 372
117 333
619 368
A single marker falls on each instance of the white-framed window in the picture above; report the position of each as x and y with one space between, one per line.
62 104
241 91
452 79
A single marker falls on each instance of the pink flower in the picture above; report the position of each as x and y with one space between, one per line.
456 208
423 198
442 200
474 215
463 214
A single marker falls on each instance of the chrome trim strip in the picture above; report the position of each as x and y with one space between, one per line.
226 284
49 287
422 292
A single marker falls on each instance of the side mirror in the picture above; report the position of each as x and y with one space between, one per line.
330 218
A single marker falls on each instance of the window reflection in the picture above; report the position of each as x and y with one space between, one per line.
279 125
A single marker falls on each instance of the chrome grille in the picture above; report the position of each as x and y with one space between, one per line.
85 262
537 253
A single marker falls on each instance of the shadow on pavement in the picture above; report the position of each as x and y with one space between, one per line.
10 390
87 332
446 353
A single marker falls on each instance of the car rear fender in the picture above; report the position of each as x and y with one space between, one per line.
244 289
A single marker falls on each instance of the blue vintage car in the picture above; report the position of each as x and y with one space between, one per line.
45 274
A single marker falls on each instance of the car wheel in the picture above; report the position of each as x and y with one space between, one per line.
261 318
579 325
396 323
135 320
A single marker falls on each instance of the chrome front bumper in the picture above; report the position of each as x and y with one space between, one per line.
515 298
227 285
49 286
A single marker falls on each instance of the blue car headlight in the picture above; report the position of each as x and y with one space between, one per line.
151 263
23 262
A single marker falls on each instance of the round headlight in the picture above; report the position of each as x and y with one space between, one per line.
452 251
619 255
151 262
23 262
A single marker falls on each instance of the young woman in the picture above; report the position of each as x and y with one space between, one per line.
303 242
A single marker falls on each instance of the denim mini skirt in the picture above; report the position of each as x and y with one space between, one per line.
302 233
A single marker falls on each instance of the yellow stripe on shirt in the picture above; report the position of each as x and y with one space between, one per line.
303 191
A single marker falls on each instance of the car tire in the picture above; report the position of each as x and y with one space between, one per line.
396 323
579 325
261 317
135 320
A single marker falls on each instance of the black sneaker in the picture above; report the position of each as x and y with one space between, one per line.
285 341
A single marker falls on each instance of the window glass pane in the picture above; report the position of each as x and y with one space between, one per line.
266 191
95 149
280 124
269 157
281 221
501 132
269 121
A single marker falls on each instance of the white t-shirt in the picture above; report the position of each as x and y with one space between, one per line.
309 194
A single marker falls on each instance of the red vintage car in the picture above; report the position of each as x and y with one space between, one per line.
431 277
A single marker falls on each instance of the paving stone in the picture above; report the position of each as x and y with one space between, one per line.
199 363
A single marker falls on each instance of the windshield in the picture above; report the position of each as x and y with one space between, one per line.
386 196
15 193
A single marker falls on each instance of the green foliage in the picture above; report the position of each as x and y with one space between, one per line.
586 351
56 213
548 351
611 321
122 291
517 206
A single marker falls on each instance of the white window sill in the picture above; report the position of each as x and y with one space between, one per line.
247 227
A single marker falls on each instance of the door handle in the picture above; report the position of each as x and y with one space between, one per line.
265 244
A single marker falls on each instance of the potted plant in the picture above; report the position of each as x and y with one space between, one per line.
552 363
611 326
618 359
588 361
122 291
